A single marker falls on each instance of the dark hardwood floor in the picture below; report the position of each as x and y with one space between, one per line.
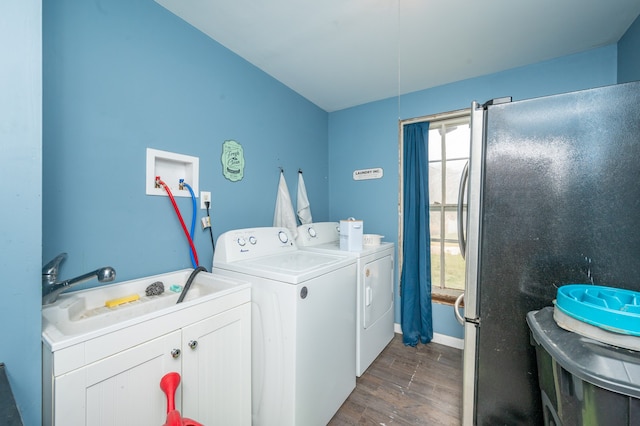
407 386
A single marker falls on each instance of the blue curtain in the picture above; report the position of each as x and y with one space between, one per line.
416 321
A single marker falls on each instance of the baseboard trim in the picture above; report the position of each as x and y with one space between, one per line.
441 339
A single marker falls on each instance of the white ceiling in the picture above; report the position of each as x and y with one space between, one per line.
341 53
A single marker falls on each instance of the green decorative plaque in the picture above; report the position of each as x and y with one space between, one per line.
232 161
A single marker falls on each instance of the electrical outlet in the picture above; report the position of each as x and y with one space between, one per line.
204 197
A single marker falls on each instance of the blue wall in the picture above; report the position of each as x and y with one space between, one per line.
629 54
21 214
121 76
367 136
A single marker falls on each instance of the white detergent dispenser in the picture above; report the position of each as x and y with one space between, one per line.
351 231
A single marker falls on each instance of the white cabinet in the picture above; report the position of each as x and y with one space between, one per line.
89 384
216 372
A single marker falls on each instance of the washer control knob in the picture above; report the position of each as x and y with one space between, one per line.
312 232
284 238
241 242
253 240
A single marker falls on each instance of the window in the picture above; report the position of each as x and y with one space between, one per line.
449 146
449 142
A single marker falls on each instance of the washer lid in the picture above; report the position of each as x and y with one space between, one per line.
613 309
292 267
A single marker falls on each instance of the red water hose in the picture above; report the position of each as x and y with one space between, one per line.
184 227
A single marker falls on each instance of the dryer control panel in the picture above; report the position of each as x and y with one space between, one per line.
313 234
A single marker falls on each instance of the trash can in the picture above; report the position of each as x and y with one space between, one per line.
583 381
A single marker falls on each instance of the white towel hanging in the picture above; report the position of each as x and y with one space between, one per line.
303 208
284 215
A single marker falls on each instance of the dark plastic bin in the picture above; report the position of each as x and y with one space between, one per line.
583 381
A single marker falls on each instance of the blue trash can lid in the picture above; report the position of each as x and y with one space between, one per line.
613 309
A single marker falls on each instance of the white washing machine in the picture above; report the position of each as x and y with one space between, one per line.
303 324
374 283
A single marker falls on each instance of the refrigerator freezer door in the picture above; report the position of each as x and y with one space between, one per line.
468 377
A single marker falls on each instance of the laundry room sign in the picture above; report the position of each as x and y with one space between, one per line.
366 174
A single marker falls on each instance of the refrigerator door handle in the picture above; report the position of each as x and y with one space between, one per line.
462 241
456 309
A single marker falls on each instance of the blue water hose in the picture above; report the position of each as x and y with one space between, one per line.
193 219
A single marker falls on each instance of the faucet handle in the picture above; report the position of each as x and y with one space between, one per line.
52 267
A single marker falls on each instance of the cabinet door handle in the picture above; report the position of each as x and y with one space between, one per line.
193 344
175 353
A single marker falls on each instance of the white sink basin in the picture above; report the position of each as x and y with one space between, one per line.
84 311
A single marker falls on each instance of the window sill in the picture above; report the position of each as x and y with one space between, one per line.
445 298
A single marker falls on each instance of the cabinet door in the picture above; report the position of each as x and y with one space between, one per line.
123 389
216 369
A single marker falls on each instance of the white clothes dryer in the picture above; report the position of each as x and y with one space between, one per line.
303 324
374 283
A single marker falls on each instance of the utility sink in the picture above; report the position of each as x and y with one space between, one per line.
85 312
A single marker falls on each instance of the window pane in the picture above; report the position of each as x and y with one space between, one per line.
435 266
454 174
435 145
458 142
434 225
435 183
451 225
454 267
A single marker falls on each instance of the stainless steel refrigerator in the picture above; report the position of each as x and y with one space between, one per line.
553 198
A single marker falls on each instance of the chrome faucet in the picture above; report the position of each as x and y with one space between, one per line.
51 288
